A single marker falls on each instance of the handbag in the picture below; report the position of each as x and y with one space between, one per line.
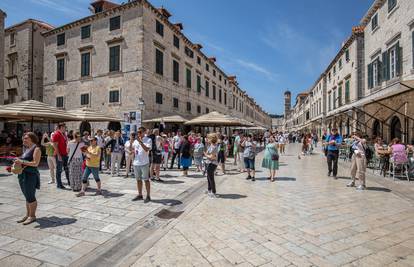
275 157
17 168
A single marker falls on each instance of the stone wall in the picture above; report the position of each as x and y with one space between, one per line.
2 18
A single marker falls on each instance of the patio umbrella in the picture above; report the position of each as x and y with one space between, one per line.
91 115
34 111
215 119
168 119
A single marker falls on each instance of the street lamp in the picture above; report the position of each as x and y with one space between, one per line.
141 108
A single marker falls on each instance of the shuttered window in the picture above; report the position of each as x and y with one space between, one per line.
214 92
198 84
115 23
158 98
114 58
207 89
59 102
188 76
60 69
85 64
159 28
347 93
159 62
175 102
176 71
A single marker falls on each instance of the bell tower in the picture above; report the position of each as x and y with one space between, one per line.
288 101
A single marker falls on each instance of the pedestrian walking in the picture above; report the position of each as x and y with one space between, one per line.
129 153
29 177
211 154
185 152
51 160
271 158
60 144
101 144
281 141
332 143
108 137
221 157
165 151
92 153
198 154
75 162
249 156
142 147
156 153
116 145
177 140
358 161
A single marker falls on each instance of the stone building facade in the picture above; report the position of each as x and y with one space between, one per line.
2 19
379 100
127 54
24 46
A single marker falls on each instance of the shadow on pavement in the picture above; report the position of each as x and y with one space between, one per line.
195 176
167 214
231 196
344 177
49 222
106 193
167 202
171 182
285 179
380 189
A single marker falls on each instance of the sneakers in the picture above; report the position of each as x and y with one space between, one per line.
361 187
248 177
137 198
212 195
329 174
147 199
351 184
335 177
51 182
253 179
81 194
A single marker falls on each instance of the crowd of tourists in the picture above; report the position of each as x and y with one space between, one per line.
143 155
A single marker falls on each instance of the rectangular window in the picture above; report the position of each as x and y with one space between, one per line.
189 106
85 64
334 100
198 109
393 62
175 102
12 64
115 23
86 32
176 42
198 84
60 39
374 22
347 93
207 67
59 102
207 89
114 96
199 60
214 92
391 4
159 28
84 99
189 52
114 58
375 73
225 98
347 55
220 78
207 110
220 96
214 73
334 70
188 75
60 63
158 98
159 62
12 38
329 102
340 95
340 63
176 71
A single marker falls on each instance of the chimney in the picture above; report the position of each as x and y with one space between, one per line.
198 46
179 26
212 59
101 6
164 12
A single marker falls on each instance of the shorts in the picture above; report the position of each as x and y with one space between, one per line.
141 172
90 170
220 157
249 163
156 158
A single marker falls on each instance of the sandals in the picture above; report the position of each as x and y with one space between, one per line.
23 219
29 220
81 194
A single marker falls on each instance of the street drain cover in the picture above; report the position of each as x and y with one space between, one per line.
166 214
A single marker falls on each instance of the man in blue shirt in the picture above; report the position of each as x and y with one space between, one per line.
333 142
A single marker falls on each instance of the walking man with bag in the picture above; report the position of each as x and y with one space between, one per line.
333 143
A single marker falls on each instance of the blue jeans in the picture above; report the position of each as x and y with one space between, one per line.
88 171
59 164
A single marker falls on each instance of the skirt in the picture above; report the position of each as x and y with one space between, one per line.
198 161
270 164
185 162
75 174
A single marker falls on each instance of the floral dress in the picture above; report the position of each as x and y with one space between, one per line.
267 162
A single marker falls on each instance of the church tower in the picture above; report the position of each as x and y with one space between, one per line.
288 101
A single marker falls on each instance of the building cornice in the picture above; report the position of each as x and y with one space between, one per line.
39 23
371 11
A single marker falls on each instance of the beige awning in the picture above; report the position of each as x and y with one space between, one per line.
36 111
167 119
91 115
216 119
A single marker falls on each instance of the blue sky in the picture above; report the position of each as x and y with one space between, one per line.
270 45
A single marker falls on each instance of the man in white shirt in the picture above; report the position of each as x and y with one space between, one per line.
142 147
177 140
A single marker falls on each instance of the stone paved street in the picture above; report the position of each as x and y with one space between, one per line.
302 219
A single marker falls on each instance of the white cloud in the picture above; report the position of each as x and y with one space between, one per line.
65 6
257 68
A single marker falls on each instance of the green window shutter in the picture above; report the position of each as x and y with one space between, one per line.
370 76
198 84
379 72
347 98
188 78
412 51
386 65
398 62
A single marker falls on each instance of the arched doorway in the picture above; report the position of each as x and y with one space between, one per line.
85 126
376 129
396 131
114 126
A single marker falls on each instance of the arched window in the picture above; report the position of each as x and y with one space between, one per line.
396 131
376 129
85 126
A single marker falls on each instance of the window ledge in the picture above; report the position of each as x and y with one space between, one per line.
117 104
86 78
12 45
374 30
115 73
61 82
392 11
